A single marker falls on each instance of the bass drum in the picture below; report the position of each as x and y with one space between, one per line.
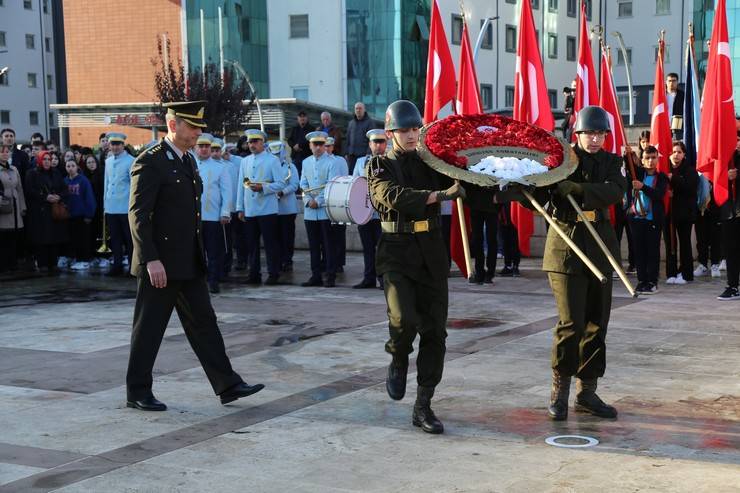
348 200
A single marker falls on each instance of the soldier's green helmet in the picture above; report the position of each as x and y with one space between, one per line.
592 118
402 114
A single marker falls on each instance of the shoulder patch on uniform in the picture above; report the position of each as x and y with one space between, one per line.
154 149
375 167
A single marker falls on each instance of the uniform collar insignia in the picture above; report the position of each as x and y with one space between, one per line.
170 156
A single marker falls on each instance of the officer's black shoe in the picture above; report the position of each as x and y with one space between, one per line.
423 416
395 382
240 390
287 267
314 281
476 278
271 281
330 282
488 279
506 272
241 266
588 402
340 269
365 284
214 288
147 404
558 408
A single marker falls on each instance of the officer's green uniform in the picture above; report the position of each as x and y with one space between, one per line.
584 304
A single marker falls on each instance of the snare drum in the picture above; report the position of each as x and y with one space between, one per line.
348 200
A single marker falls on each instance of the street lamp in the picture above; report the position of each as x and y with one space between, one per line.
243 73
482 35
4 71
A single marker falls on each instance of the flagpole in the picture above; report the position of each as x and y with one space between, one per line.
627 68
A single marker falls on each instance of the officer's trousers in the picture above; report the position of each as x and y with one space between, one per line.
267 227
152 313
369 236
584 306
416 308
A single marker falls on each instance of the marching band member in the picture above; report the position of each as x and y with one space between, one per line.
117 183
287 204
216 207
236 236
261 179
370 232
316 172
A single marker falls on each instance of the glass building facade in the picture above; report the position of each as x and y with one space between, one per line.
703 21
386 52
244 37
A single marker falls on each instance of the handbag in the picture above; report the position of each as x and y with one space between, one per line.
59 211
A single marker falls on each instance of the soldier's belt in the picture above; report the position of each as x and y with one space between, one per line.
573 217
410 227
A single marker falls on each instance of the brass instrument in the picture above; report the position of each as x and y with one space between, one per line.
104 241
248 182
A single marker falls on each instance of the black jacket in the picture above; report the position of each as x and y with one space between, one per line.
683 186
42 229
298 136
655 193
731 208
164 214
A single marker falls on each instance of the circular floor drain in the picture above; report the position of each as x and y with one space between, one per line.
578 441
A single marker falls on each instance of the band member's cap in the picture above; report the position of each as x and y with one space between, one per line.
376 134
116 137
255 134
217 143
317 137
205 138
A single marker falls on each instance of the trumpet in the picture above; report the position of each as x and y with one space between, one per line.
247 182
104 241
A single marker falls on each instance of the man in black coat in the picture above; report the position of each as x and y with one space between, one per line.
168 260
297 141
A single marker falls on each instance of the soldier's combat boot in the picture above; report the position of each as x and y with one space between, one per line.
558 408
588 402
395 383
423 415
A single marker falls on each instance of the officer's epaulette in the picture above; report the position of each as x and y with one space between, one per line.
154 149
374 166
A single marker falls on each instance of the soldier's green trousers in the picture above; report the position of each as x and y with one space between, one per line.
584 305
416 308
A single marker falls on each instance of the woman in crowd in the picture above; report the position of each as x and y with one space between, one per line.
12 210
95 175
680 217
643 143
44 188
81 212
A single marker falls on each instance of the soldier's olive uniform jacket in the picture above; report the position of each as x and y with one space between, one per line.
603 180
400 184
164 213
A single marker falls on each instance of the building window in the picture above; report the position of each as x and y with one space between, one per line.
45 6
589 9
570 48
4 79
510 38
535 4
511 1
572 8
28 4
486 96
301 93
509 96
33 117
4 116
552 95
620 56
487 43
299 26
666 55
2 39
552 5
552 45
49 82
31 80
47 45
662 7
624 9
456 29
30 41
51 119
623 100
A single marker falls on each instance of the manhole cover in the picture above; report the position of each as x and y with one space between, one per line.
571 441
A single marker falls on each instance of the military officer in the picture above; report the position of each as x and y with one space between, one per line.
412 257
584 304
117 183
338 231
257 205
236 236
316 172
370 231
287 204
164 214
216 206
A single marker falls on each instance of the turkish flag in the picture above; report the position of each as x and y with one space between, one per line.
616 139
717 137
440 88
531 105
587 92
660 127
468 103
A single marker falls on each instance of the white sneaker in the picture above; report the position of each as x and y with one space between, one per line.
715 271
701 270
679 279
723 265
63 262
670 280
104 263
125 261
80 266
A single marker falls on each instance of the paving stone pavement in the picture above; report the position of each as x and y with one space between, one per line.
324 422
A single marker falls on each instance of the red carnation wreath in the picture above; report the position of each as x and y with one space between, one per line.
455 143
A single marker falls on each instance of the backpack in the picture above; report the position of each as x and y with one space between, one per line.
703 192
